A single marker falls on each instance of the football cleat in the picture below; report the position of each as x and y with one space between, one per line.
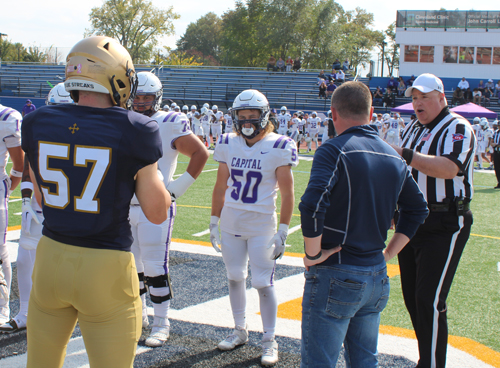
4 315
159 333
269 353
14 325
238 337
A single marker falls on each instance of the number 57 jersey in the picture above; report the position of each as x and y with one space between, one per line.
85 160
252 184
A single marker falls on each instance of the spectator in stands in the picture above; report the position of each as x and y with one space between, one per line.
322 89
410 81
377 97
463 84
289 64
280 65
340 76
336 65
392 83
497 90
389 98
401 86
477 96
322 75
487 96
29 107
345 66
481 87
297 64
468 95
330 89
458 97
490 85
271 64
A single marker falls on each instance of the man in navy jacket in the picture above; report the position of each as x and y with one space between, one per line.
357 181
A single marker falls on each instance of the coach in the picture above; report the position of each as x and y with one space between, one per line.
439 146
356 183
495 143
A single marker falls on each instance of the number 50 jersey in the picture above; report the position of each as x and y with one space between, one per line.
85 160
252 184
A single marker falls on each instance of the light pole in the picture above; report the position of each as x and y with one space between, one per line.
383 51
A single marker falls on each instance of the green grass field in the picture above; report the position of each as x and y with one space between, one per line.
474 300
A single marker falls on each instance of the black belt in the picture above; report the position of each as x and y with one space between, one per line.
447 207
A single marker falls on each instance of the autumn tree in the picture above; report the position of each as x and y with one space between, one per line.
136 24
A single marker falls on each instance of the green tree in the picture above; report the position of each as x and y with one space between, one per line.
35 55
392 50
204 36
136 24
5 49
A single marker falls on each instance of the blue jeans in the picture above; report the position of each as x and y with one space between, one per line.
342 304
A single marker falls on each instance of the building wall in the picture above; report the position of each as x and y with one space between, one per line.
439 38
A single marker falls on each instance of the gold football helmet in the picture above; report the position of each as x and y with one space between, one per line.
101 64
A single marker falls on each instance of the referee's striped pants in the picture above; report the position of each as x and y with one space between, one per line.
428 264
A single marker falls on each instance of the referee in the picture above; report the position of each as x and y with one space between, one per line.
439 146
495 143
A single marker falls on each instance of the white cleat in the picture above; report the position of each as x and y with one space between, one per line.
14 325
269 353
238 337
4 315
159 333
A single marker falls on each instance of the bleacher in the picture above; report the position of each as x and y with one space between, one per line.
185 86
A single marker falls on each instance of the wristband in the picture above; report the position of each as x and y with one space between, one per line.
407 155
317 256
15 173
27 185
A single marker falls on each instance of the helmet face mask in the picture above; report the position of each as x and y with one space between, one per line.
101 64
250 99
150 87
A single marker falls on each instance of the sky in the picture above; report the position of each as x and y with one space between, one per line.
61 23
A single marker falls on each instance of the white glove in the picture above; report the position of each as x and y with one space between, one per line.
27 214
279 240
179 186
4 292
214 233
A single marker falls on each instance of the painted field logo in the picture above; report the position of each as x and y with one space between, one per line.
458 137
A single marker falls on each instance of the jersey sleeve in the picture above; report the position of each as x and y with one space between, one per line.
146 147
12 129
459 143
173 126
221 149
286 151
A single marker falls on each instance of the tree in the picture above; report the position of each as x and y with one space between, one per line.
203 36
392 53
136 24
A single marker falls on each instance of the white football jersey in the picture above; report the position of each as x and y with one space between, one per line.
10 134
205 119
252 184
313 127
392 124
229 123
216 118
294 125
283 120
301 124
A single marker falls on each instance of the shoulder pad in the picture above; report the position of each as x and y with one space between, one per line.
281 142
8 114
171 116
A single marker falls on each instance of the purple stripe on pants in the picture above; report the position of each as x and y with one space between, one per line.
171 215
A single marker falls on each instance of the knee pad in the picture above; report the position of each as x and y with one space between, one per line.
141 279
159 282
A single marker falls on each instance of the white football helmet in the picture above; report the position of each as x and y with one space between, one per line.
206 105
148 84
166 107
58 95
185 108
193 107
204 111
101 64
215 107
283 109
173 105
476 120
314 114
250 99
308 139
484 123
386 117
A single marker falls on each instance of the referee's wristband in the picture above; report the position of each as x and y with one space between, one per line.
317 256
407 155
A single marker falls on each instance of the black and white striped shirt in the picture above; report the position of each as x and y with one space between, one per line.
448 135
496 138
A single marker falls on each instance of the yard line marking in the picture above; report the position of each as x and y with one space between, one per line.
205 232
498 266
15 200
293 229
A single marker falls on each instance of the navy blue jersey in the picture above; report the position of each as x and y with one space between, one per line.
85 160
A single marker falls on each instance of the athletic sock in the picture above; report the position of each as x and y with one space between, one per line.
238 299
268 310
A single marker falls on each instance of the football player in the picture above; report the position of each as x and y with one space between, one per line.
253 163
197 126
313 130
324 124
393 128
31 229
229 122
294 127
216 123
10 145
205 119
190 115
483 139
151 242
88 160
283 121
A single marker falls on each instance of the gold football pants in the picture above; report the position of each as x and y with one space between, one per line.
99 288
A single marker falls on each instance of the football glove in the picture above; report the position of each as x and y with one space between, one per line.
4 291
27 214
279 240
214 233
179 186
